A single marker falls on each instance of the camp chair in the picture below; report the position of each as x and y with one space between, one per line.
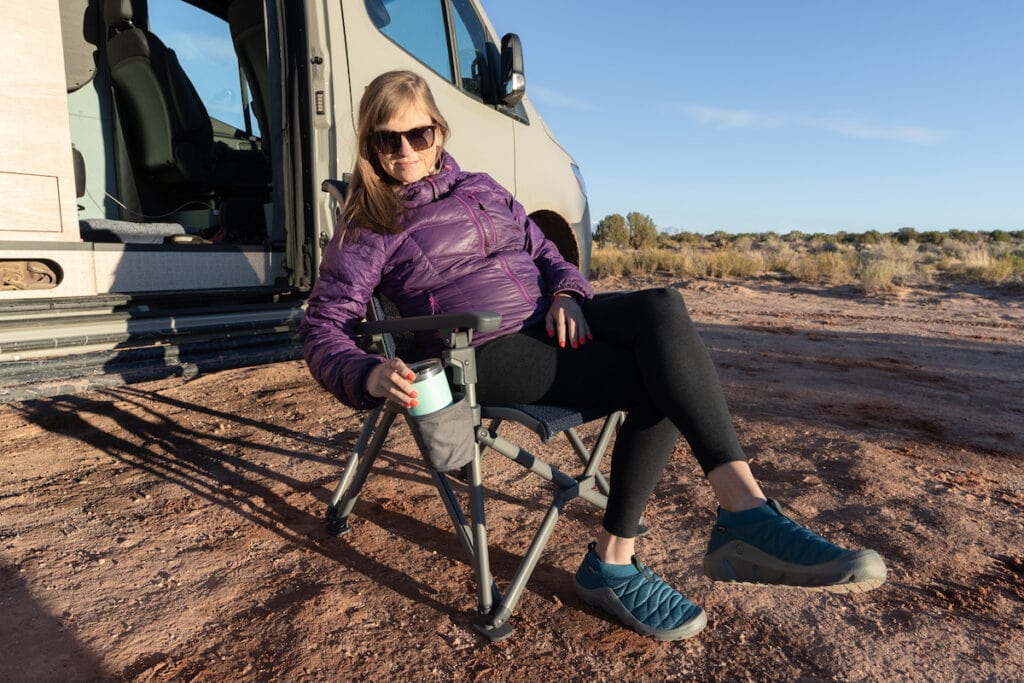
547 422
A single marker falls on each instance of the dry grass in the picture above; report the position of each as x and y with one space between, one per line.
874 262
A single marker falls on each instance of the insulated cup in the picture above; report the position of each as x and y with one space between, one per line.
431 385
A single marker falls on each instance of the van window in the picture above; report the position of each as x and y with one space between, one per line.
203 45
417 26
471 39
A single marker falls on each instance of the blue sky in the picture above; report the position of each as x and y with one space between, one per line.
809 115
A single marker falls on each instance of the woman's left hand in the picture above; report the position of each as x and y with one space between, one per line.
566 322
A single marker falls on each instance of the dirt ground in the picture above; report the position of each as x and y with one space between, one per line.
174 530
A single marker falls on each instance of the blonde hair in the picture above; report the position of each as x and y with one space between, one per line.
372 202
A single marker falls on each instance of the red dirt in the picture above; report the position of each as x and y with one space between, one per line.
173 530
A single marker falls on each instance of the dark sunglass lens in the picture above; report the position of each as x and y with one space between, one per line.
388 142
420 138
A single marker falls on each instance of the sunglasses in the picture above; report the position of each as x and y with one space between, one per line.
390 141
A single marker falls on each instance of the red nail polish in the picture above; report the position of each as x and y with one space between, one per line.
589 336
414 394
574 344
551 333
414 403
561 344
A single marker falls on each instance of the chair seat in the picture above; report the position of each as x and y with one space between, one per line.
546 421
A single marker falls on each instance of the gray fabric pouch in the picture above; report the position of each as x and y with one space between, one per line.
445 437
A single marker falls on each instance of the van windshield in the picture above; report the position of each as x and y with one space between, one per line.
202 43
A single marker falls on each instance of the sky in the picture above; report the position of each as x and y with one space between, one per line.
813 115
756 115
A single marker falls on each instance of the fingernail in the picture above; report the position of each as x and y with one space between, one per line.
410 376
408 404
561 344
551 333
589 336
414 403
413 393
574 344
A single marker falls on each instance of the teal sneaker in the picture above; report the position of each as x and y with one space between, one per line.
765 546
640 599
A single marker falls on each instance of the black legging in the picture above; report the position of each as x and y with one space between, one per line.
645 357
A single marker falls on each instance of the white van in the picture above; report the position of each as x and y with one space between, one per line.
161 165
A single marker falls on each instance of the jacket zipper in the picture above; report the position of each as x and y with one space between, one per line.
483 210
508 271
476 222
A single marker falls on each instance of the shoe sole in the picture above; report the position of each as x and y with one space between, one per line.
740 562
606 599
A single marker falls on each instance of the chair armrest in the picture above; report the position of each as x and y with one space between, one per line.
336 188
480 321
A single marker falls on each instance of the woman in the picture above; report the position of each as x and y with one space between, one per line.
435 239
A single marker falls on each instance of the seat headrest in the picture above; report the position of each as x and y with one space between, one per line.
116 12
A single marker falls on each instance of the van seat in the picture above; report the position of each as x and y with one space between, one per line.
105 230
168 129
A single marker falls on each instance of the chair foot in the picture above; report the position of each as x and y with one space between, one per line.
495 634
337 526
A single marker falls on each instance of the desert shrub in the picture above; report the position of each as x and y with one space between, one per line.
606 262
966 236
906 235
982 263
645 262
720 238
665 241
682 263
743 243
826 267
733 263
688 238
877 276
885 266
778 255
931 237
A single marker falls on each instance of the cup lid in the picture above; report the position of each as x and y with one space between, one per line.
426 368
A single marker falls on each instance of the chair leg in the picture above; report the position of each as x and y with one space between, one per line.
592 459
345 495
488 598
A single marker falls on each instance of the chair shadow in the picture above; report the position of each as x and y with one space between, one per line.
190 459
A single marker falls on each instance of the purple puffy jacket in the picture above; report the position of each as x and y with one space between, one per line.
466 245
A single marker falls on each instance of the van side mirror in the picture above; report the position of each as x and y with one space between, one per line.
513 79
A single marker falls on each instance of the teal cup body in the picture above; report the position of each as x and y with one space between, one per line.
431 385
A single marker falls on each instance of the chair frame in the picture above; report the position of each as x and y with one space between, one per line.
494 607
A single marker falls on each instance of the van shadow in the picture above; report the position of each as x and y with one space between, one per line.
37 645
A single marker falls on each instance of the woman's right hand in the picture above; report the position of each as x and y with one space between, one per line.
392 380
